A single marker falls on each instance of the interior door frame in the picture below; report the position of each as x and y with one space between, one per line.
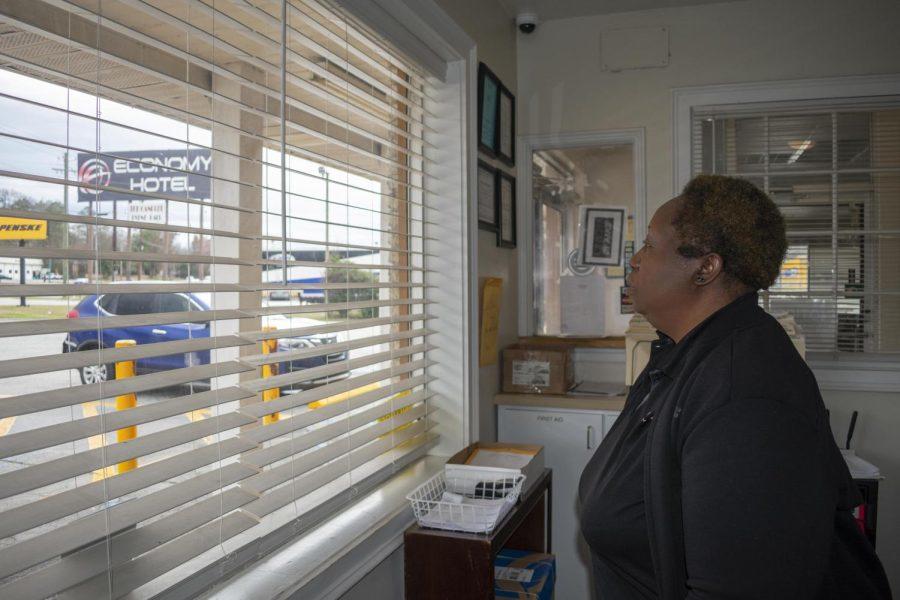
525 146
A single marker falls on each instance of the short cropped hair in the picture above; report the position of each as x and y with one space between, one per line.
736 220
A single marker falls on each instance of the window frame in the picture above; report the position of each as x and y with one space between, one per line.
526 145
457 391
848 373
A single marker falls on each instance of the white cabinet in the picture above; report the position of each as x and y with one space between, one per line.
569 438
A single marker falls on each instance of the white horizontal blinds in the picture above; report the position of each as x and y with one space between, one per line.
236 187
835 173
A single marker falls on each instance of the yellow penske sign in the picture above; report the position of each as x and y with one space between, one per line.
12 228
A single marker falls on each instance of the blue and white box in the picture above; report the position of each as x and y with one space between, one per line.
524 575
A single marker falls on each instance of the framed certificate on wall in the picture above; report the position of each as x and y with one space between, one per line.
506 211
487 196
506 127
488 109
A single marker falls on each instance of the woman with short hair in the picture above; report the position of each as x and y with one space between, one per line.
721 478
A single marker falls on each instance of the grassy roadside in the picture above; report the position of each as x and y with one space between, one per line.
33 312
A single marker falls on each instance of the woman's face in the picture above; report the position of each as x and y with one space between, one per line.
660 279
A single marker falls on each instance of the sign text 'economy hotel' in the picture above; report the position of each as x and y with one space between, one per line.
112 177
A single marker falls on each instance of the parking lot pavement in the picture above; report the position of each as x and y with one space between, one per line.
13 386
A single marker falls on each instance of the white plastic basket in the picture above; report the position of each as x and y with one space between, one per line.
475 503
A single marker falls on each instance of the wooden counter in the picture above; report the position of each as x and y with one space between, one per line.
562 401
575 342
451 565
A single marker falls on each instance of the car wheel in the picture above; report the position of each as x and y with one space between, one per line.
96 373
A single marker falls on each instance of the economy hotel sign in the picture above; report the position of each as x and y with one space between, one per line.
103 177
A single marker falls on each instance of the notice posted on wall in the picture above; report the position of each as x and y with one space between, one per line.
531 372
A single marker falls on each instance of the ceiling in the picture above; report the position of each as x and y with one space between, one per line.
564 9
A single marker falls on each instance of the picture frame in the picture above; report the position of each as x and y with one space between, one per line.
506 126
603 235
488 109
506 211
487 182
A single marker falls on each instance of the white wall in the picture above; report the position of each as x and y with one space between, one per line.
494 32
561 88
876 439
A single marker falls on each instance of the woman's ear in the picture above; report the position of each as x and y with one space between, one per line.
710 268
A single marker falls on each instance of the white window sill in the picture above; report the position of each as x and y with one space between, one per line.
862 375
327 560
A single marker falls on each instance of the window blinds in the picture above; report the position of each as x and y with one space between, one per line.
232 194
834 171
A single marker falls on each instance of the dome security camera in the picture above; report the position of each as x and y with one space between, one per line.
527 22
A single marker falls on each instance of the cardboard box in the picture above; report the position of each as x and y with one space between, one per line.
459 463
524 575
545 369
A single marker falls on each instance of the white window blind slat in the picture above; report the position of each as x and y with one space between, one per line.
38 401
332 327
77 429
266 359
258 385
53 471
341 161
240 201
45 326
329 307
135 542
298 487
113 7
328 390
77 253
73 360
106 222
90 495
165 557
85 563
273 453
128 576
93 527
329 450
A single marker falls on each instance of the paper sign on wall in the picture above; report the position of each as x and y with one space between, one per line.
490 321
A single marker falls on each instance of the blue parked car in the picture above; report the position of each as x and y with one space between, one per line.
151 303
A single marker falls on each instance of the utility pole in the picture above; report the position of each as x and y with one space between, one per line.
66 210
22 272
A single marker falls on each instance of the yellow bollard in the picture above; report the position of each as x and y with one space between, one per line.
268 347
124 369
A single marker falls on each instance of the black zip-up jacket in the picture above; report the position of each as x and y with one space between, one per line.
746 493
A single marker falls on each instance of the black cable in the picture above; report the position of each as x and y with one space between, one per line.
852 428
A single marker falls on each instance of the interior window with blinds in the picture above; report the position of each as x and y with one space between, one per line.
834 172
211 281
